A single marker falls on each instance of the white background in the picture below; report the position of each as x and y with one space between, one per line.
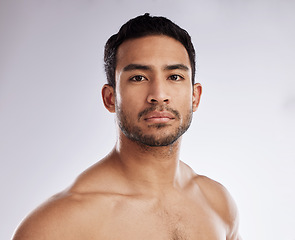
53 124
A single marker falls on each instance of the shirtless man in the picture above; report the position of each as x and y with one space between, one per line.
141 190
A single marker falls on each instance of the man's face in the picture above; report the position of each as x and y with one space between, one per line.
154 97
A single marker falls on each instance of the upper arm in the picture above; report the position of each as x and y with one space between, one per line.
223 204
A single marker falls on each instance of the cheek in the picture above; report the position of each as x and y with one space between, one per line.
184 97
131 95
129 101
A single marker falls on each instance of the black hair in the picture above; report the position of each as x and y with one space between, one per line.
141 26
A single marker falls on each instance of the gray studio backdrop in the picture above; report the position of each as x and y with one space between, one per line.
53 124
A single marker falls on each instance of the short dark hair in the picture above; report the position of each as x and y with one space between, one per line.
141 26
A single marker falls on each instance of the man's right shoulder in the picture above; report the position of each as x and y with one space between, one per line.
62 217
65 214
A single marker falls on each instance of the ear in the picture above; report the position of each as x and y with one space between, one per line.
197 92
108 97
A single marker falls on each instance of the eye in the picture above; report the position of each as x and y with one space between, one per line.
137 78
175 77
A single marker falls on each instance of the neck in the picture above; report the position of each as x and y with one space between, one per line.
154 167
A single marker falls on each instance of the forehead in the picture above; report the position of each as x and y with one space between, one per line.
152 50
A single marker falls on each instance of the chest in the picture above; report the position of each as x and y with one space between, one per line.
181 221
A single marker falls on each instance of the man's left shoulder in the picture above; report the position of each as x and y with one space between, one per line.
221 201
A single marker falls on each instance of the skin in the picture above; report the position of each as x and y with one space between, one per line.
139 191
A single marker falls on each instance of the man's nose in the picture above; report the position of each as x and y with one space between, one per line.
158 92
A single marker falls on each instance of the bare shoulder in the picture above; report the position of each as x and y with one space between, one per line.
57 218
222 203
71 213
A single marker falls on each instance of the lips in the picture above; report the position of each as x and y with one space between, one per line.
159 117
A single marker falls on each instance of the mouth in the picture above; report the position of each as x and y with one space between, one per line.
159 117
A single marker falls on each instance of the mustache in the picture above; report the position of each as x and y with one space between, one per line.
160 109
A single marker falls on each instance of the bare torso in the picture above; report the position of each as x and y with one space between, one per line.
178 217
103 205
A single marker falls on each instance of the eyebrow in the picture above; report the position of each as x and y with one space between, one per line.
176 66
132 67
